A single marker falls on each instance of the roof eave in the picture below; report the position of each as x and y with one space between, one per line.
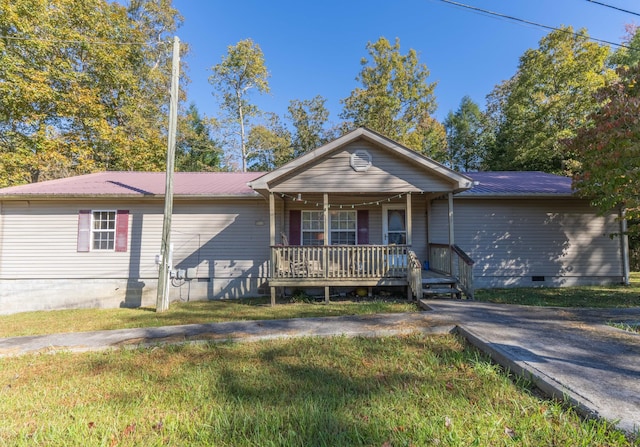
518 196
251 195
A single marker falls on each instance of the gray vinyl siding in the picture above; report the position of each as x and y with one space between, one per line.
512 241
40 241
225 241
222 240
388 173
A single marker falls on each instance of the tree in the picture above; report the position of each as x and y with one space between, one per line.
465 136
609 149
82 86
548 98
395 98
308 118
240 71
195 149
270 145
628 55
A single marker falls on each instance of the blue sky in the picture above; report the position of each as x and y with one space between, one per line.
315 48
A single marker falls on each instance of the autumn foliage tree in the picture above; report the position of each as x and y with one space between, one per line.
543 104
83 86
396 98
609 148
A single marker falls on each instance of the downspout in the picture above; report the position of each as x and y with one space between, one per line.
624 246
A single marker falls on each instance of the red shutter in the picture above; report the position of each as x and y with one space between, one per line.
84 230
295 227
122 230
363 227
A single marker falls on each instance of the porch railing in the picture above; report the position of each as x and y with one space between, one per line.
339 261
453 261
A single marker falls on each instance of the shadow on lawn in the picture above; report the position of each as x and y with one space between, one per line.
296 392
309 403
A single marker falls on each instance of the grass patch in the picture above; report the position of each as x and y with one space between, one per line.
625 326
596 296
79 320
392 391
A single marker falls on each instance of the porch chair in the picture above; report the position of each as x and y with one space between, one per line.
294 262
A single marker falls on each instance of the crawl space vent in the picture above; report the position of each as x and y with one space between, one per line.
360 160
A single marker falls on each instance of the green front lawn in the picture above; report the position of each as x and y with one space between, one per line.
597 296
391 391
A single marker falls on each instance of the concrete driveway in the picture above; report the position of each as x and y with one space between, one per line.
568 352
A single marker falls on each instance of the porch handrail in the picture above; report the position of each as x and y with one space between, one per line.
339 261
453 261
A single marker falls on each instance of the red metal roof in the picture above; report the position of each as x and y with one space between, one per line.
216 184
518 183
113 183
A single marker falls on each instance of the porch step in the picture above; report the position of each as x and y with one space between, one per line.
433 291
434 284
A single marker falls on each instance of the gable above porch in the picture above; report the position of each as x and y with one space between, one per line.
362 161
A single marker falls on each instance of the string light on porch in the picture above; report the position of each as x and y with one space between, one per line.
298 198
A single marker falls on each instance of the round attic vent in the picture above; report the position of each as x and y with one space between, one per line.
360 160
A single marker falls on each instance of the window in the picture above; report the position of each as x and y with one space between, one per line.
312 228
343 225
103 230
343 228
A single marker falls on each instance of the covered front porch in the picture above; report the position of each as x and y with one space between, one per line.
371 266
357 212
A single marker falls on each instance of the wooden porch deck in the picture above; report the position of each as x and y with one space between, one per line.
362 266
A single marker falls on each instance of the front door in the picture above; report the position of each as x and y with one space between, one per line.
394 225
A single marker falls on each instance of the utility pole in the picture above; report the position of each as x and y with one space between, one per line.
162 302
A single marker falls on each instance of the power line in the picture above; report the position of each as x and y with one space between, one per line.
614 7
528 22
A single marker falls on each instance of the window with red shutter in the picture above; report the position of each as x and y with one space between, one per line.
103 230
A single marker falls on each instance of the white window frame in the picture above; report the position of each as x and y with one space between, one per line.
100 231
342 223
314 227
385 221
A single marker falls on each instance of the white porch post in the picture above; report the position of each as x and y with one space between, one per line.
272 242
428 229
451 233
325 266
409 239
409 220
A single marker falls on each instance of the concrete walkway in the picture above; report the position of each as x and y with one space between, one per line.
568 353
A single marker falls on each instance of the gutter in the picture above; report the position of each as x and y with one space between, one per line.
549 195
125 196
